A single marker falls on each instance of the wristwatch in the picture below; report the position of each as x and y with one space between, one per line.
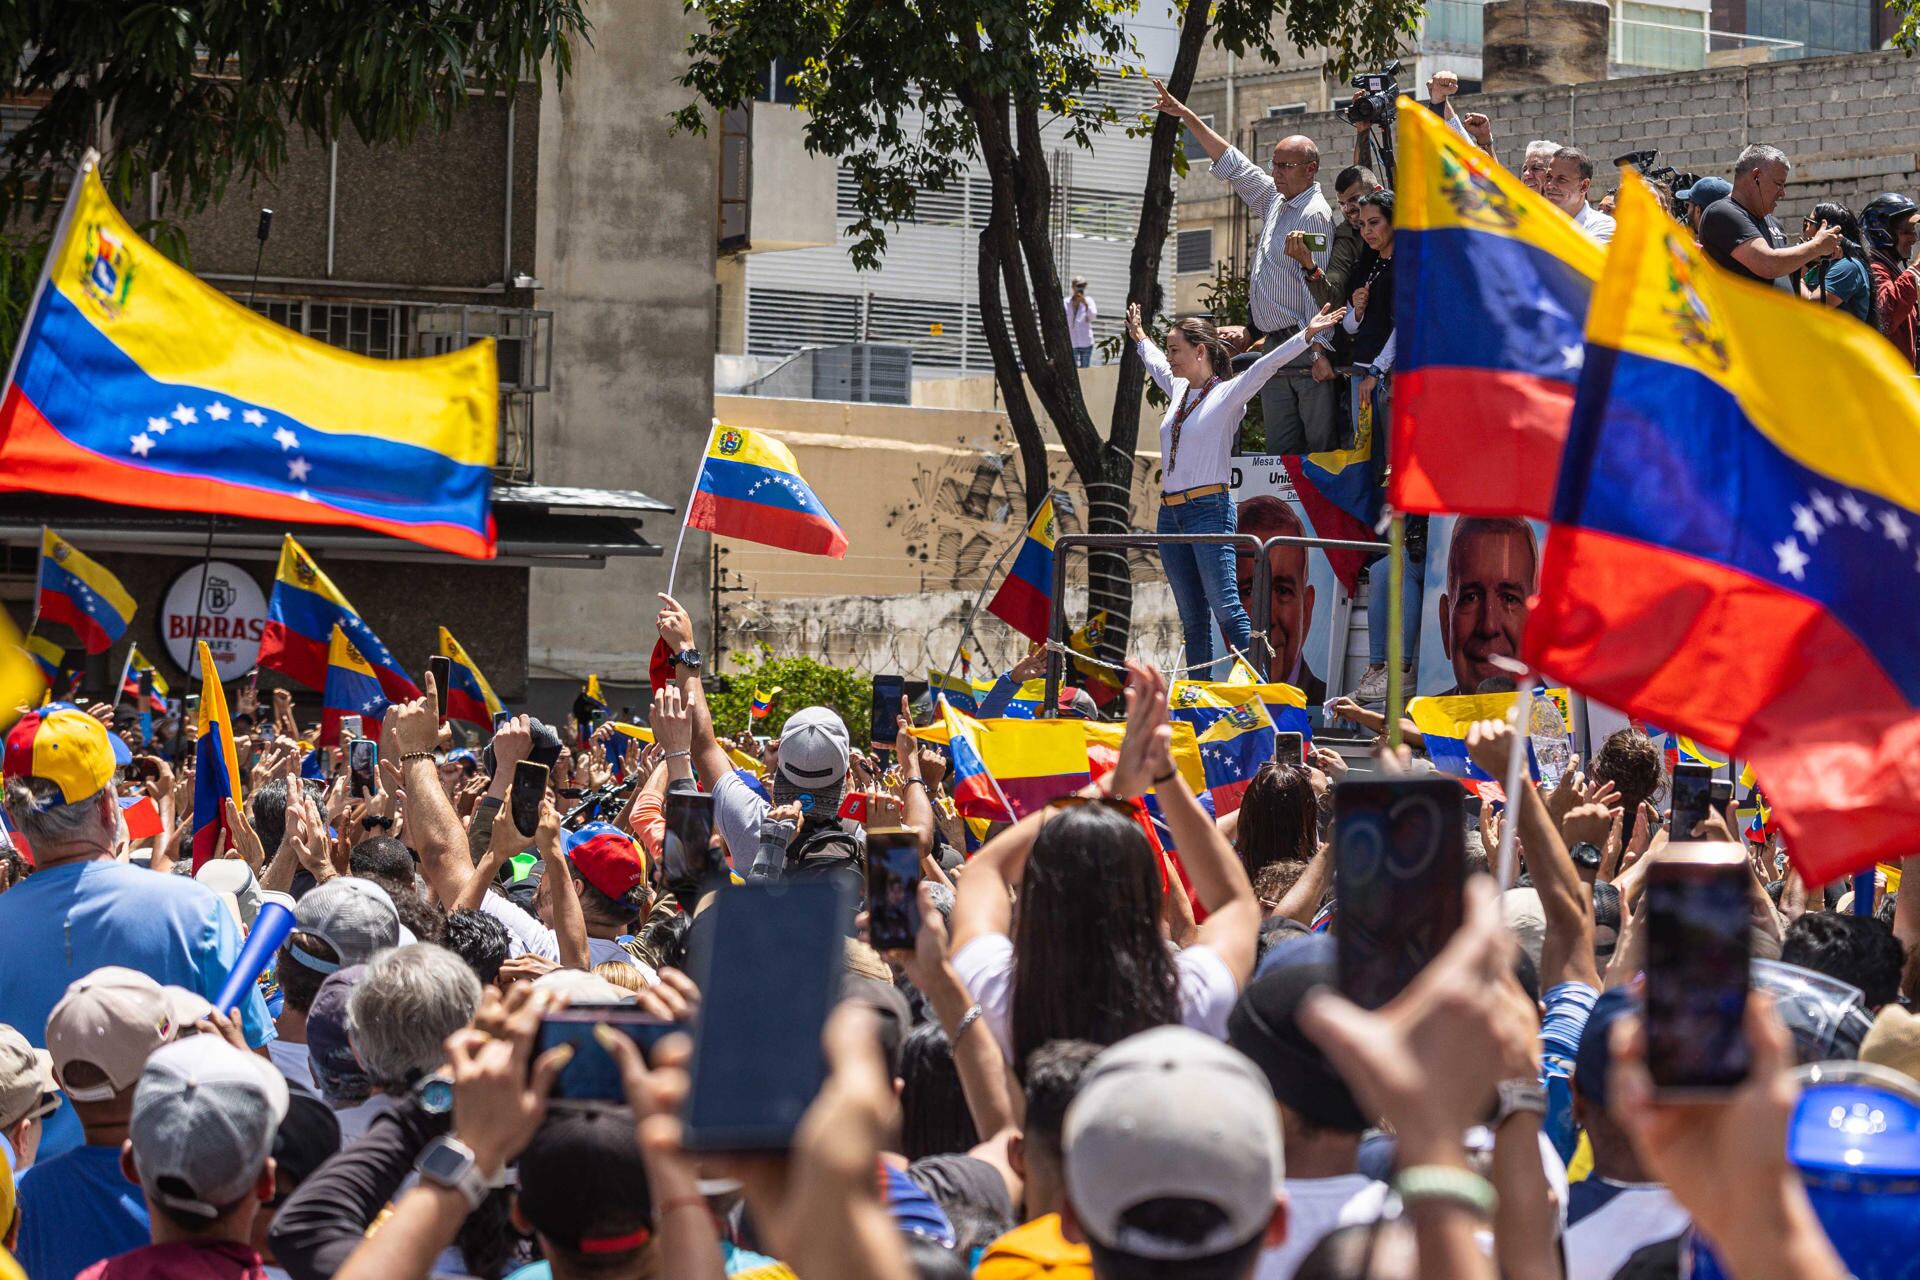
435 1093
450 1163
1585 854
685 658
1517 1095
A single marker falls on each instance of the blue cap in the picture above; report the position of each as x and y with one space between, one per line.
1706 191
1593 1061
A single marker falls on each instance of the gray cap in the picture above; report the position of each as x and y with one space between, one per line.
1172 1114
204 1116
814 750
355 917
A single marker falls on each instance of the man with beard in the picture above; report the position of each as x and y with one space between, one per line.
1492 570
1265 517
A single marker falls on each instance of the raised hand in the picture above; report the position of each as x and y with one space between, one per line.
1327 318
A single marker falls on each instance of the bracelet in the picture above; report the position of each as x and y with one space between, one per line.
1166 777
1453 1186
682 754
967 1019
917 781
408 757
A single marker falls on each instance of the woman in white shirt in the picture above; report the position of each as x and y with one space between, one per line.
1196 449
1087 958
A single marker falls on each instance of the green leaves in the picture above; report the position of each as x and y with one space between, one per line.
802 683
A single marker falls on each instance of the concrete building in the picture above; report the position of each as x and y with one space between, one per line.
577 231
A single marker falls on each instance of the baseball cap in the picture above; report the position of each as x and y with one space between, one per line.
63 745
234 876
26 1078
329 1053
814 750
1593 1060
1263 1026
1077 703
113 1018
1172 1114
607 858
203 1124
355 917
583 1183
1706 191
1893 1042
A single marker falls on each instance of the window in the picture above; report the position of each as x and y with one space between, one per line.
1287 109
1193 251
1656 36
1196 153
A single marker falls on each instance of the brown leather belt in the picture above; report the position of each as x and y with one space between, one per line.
1188 495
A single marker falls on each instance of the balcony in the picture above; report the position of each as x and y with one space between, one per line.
774 194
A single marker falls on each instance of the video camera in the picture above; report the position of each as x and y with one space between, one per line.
1675 180
1379 94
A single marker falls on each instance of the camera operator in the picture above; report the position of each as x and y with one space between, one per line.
1700 197
1301 413
1843 282
1738 234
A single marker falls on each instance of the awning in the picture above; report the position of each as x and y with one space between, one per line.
542 525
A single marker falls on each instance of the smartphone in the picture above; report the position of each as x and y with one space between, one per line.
1692 793
1399 867
442 671
887 692
1316 241
1698 970
688 844
854 807
523 801
1290 748
893 888
768 979
350 726
1720 794
191 703
592 1075
363 762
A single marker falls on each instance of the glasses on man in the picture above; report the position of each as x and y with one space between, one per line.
1292 164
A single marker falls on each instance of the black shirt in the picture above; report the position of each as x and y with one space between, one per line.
1726 225
1376 273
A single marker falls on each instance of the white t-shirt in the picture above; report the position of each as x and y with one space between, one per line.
354 1120
527 936
294 1061
1600 1238
985 965
1315 1206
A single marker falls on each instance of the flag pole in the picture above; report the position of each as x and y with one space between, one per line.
125 668
992 574
1396 609
673 568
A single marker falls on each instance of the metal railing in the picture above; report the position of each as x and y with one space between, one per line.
1262 604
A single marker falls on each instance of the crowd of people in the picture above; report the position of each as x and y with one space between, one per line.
1112 1049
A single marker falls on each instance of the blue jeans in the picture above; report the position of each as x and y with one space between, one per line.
1203 582
1083 356
1379 584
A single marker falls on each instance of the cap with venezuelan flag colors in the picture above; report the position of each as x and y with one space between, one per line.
607 858
64 746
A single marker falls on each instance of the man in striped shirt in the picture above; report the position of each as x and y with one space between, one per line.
1301 410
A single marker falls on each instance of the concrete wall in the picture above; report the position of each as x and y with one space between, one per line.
626 252
1850 124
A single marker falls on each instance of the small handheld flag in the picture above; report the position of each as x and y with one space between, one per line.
352 690
750 487
763 702
470 699
216 772
976 793
76 591
1025 600
301 614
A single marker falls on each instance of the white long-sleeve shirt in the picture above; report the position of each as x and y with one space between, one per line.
1213 425
1277 294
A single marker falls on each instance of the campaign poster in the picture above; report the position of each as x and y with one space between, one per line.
1481 574
1308 623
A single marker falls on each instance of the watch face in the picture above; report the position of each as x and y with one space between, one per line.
443 1163
436 1095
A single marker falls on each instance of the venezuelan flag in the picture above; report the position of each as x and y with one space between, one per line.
470 699
23 675
1340 493
1033 761
976 793
1286 704
138 383
301 614
1025 600
216 771
763 702
1732 564
1444 722
137 666
750 487
1235 733
47 655
963 693
77 592
1085 642
1491 284
352 690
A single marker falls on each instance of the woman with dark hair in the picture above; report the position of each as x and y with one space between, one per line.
1279 818
1084 958
1197 438
934 1119
1845 282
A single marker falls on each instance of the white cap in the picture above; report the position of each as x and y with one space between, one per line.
1172 1114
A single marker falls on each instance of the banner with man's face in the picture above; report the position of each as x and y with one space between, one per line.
1305 591
1480 573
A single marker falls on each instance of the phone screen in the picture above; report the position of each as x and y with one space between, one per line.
1692 792
893 889
887 692
592 1075
1399 865
363 762
688 851
350 726
523 802
1698 925
767 981
1290 748
442 669
1720 794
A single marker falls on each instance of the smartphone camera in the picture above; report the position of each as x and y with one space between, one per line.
1692 794
592 1076
363 762
688 842
528 793
1400 862
1698 970
893 889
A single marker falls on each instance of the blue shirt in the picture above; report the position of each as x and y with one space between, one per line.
76 1209
1569 1005
1846 279
63 923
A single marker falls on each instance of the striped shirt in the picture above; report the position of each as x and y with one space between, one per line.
1279 297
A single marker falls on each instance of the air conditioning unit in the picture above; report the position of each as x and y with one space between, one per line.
866 372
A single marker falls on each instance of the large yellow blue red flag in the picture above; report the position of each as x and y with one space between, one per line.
1491 284
750 487
1735 559
1025 600
138 383
216 772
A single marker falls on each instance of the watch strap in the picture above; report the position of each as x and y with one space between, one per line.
1518 1095
467 1180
